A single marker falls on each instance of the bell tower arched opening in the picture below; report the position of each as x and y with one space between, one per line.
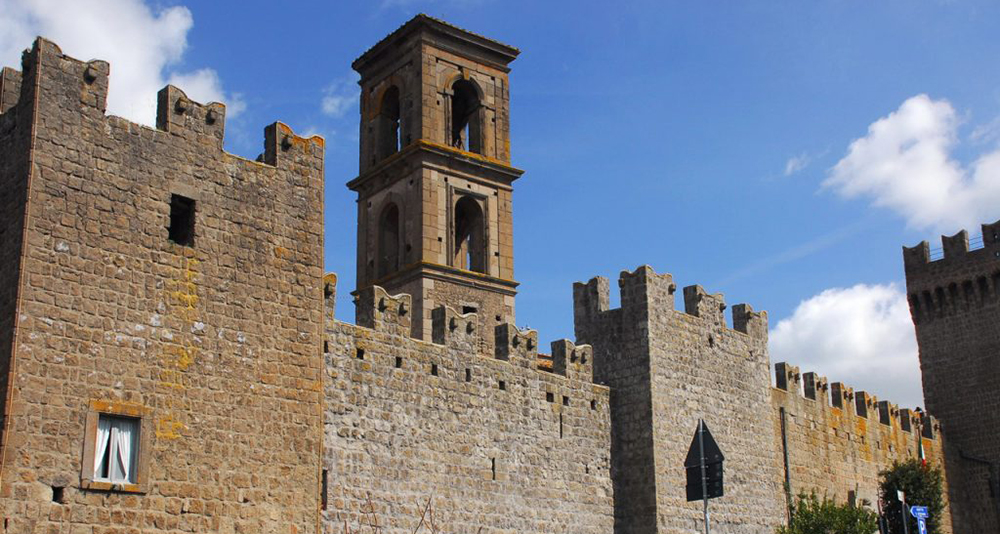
388 240
470 236
466 117
389 123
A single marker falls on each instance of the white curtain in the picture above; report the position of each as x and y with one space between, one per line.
127 430
103 442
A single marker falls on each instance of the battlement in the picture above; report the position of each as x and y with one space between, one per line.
954 248
864 405
203 125
645 293
378 310
962 279
10 88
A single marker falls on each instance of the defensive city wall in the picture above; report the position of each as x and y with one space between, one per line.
148 276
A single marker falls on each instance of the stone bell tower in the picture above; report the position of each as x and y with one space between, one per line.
435 182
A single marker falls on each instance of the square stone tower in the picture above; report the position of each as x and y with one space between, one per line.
435 182
955 305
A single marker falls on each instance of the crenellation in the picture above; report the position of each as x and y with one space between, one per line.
815 387
710 307
10 88
842 396
787 377
751 323
454 329
917 256
195 122
575 362
955 246
329 296
520 347
380 311
863 402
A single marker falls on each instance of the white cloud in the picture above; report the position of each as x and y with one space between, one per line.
861 336
905 164
797 163
142 46
340 96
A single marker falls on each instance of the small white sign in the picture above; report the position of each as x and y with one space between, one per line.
900 495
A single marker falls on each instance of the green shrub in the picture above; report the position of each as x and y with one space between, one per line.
922 485
810 515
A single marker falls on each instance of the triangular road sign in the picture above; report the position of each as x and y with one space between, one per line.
712 452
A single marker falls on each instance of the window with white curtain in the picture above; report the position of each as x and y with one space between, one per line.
116 449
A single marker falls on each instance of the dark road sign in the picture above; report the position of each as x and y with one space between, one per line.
704 451
703 467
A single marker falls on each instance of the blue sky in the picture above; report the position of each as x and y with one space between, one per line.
728 143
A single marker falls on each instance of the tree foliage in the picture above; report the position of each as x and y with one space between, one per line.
810 515
922 485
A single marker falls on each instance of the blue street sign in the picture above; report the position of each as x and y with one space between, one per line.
920 512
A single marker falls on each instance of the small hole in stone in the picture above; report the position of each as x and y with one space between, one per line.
503 385
499 318
360 354
59 494
399 362
550 397
434 369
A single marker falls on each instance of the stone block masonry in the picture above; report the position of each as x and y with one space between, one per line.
955 305
151 281
492 441
835 440
209 335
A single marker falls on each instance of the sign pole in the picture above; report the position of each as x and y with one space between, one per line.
906 526
704 474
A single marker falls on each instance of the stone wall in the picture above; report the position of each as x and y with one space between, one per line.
15 142
667 369
491 441
838 440
955 306
215 346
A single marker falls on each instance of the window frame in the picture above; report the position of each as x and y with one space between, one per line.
121 410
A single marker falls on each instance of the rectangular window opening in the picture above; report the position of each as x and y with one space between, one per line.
468 375
116 449
399 362
593 405
360 354
503 385
434 369
560 426
565 400
181 229
469 309
493 467
550 397
326 347
323 497
59 494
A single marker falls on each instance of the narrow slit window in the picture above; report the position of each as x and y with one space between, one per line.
116 449
181 229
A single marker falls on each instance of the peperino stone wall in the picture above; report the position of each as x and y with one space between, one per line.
666 369
213 346
954 297
834 440
511 442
